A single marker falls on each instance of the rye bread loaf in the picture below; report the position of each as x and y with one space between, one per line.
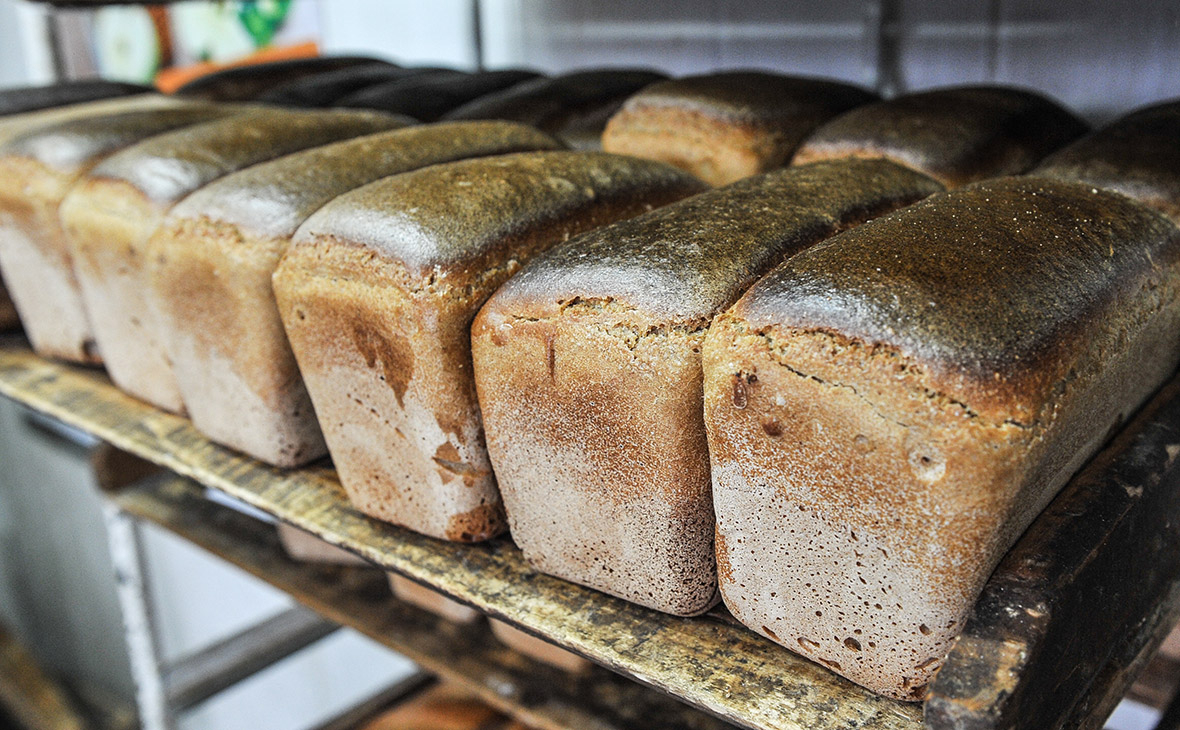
24 99
889 410
573 107
588 370
377 296
209 267
955 135
724 126
325 89
37 169
428 96
110 214
1137 155
248 82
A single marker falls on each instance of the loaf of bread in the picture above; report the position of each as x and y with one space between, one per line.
955 135
209 267
377 296
538 649
724 126
889 410
573 107
326 89
431 600
37 168
428 96
1136 155
588 370
24 99
248 82
109 215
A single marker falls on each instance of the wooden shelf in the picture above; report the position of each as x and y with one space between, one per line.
1069 618
713 665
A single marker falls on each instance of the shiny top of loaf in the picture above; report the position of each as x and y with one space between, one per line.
169 166
458 213
273 198
428 96
244 83
325 88
77 143
32 98
986 284
955 135
549 103
15 125
752 96
1137 155
692 258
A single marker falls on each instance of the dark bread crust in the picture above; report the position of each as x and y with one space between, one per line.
1018 269
33 98
246 83
574 106
428 96
377 297
1137 155
325 89
955 135
890 409
729 125
170 166
589 375
77 144
687 261
274 198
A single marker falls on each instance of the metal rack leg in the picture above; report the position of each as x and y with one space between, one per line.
125 543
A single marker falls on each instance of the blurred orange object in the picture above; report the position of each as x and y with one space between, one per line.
171 79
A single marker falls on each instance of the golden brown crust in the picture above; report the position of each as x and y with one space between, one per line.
377 296
889 410
725 126
956 135
588 368
8 317
1136 155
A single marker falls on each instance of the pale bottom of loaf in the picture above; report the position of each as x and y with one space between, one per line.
641 549
126 330
390 481
306 547
431 600
538 649
47 297
281 429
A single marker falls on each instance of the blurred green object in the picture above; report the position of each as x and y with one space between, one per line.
263 18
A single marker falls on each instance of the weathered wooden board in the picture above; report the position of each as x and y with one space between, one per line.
713 665
1078 606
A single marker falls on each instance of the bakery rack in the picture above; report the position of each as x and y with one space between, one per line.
1064 626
